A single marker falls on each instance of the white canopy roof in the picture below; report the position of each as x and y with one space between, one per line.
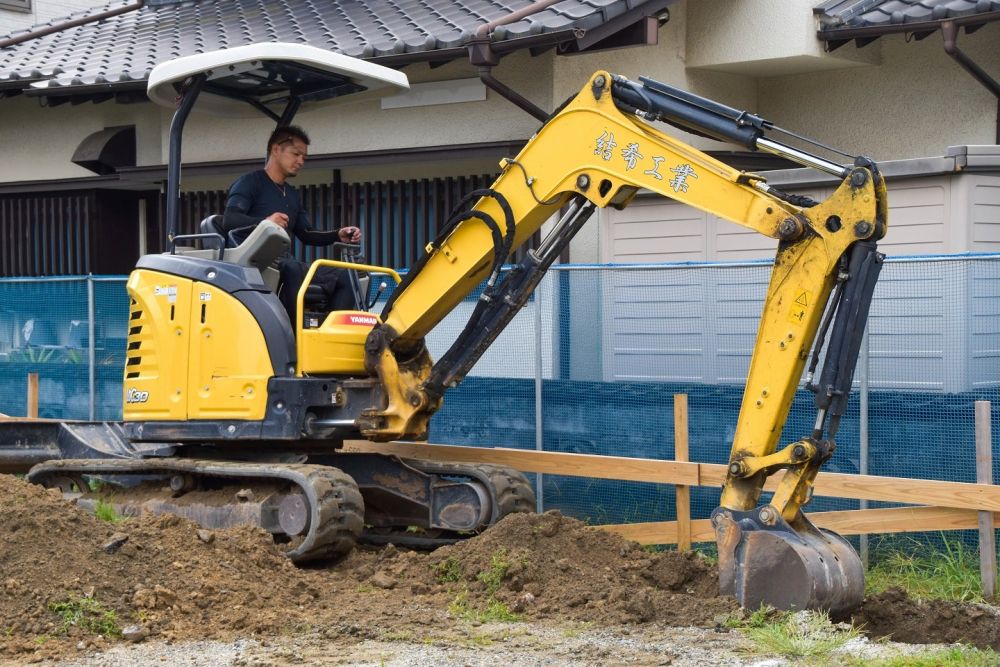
244 78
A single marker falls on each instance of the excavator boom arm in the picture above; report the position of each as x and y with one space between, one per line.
600 150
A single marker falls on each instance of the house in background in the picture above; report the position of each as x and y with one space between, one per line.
911 84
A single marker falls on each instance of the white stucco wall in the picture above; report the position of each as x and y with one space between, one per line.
915 104
762 37
38 142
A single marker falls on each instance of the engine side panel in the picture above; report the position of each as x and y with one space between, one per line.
228 366
155 386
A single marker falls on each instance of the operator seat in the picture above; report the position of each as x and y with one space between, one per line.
213 225
260 250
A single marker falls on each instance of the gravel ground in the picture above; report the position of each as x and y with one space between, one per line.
492 645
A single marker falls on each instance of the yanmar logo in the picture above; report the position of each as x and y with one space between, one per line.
133 395
358 320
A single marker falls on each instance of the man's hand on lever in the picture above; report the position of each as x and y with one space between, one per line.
349 234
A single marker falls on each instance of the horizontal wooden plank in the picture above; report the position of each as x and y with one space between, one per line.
960 495
844 522
554 463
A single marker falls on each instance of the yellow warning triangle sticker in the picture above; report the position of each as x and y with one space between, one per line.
802 300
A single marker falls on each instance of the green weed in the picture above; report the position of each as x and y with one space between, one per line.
87 614
577 630
495 610
493 576
948 573
448 570
740 620
956 656
804 634
105 511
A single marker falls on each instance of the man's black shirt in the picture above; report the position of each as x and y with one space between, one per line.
255 196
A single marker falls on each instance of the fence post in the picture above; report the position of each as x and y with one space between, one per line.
91 360
539 424
984 475
682 491
32 396
865 369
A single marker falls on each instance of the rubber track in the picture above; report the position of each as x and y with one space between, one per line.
509 491
336 515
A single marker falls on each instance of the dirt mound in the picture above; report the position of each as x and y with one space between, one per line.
895 615
552 566
63 573
70 582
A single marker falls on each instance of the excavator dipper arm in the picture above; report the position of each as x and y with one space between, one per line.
597 151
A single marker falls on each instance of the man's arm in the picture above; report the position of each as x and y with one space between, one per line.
241 199
234 218
311 236
314 237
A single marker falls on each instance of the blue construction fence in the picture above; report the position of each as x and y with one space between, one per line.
592 363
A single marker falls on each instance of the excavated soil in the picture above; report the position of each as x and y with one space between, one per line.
894 615
171 581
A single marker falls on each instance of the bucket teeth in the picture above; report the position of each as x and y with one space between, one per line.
786 567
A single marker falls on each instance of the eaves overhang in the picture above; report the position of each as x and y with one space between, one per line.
863 21
105 57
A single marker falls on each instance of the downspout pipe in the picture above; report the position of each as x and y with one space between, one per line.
950 32
481 55
491 82
59 27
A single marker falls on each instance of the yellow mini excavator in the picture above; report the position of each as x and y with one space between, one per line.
234 415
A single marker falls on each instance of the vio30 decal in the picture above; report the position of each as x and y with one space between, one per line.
133 395
632 155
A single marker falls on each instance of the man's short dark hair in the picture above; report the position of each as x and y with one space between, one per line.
286 134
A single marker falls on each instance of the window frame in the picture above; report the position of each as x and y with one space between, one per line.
16 5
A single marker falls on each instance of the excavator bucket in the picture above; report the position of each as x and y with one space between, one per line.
765 560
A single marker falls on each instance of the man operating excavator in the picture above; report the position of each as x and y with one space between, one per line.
265 194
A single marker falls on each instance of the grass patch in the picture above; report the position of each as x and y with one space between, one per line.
948 573
495 610
105 511
448 571
493 576
576 630
741 620
956 656
491 609
87 614
799 635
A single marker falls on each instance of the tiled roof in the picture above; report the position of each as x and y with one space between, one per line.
122 50
850 14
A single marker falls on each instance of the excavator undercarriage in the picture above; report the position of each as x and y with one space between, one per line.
318 502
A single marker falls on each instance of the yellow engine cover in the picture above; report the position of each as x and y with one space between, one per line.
337 346
194 352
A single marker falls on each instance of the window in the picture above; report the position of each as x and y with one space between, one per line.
19 5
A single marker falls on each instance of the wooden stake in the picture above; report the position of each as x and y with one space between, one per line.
682 491
984 475
32 396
